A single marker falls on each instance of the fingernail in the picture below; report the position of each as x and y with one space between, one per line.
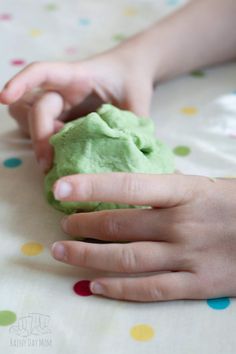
96 288
63 189
58 251
43 164
64 223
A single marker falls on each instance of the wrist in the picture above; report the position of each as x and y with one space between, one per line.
137 53
151 51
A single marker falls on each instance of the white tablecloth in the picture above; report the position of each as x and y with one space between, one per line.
194 114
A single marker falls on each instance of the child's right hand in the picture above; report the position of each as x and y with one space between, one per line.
69 90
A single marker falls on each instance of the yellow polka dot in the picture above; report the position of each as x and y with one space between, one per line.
189 111
35 32
130 11
31 249
142 332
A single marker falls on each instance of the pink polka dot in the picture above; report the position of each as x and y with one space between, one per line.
82 288
5 17
71 50
18 62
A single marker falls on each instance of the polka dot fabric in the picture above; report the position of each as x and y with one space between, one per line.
45 305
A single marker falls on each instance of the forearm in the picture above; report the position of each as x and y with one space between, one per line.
201 33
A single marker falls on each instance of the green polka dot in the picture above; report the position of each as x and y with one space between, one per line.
119 37
182 150
197 73
51 7
7 318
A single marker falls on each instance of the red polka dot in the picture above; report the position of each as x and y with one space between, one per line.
5 17
82 288
71 50
18 62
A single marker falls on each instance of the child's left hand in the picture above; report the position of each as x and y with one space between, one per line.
189 234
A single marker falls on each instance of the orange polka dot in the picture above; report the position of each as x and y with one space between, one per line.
130 11
189 110
32 249
35 32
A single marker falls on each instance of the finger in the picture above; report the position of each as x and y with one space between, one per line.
42 118
120 225
129 188
161 287
134 257
20 109
35 75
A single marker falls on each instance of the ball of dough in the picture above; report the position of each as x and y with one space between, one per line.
109 140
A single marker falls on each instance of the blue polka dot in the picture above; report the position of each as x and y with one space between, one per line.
12 162
220 303
172 2
84 21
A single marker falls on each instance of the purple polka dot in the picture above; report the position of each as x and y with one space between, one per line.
232 135
82 288
18 62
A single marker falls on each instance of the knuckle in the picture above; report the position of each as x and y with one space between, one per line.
85 256
131 185
33 65
89 189
110 226
126 260
156 293
36 66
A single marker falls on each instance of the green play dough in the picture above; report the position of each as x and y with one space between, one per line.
108 140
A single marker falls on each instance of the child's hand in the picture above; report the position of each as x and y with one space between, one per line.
68 90
124 75
189 234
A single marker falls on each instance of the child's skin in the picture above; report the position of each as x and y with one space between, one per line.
190 233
